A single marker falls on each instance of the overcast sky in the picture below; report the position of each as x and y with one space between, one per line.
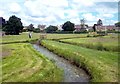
56 12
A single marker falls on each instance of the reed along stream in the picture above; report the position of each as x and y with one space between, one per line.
71 72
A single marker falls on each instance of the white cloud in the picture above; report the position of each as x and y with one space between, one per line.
75 20
108 15
57 11
84 2
89 17
54 3
1 13
106 0
15 7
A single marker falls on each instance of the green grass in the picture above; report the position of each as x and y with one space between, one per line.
23 37
108 43
19 38
65 36
102 65
24 64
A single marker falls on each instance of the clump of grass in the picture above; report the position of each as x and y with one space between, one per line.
99 46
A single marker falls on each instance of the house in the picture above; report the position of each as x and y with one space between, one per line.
59 27
42 27
79 28
107 28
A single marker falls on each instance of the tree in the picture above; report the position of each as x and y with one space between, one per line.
68 26
94 27
86 25
36 30
13 26
99 23
51 29
82 23
117 24
30 27
2 22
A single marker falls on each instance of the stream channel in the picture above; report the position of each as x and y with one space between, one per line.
71 72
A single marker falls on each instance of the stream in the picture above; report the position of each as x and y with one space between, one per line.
71 72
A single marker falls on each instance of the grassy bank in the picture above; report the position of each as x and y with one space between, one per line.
64 36
102 65
21 63
107 43
23 37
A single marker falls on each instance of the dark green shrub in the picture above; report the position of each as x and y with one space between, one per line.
99 46
36 30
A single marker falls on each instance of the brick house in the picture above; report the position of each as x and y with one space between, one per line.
42 27
107 28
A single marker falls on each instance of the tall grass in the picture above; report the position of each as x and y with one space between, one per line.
101 65
99 43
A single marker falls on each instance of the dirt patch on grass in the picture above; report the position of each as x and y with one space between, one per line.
5 53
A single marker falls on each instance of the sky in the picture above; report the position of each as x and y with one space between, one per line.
57 12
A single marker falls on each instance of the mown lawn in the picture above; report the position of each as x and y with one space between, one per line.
23 37
109 43
102 65
19 38
64 36
21 63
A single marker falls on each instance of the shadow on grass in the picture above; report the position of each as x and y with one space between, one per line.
26 41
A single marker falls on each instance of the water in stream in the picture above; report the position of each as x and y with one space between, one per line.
71 72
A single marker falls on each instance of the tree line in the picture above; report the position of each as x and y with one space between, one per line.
14 26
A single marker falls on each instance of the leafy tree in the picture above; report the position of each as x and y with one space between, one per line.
13 26
68 26
51 29
117 24
30 27
86 25
36 30
99 23
2 25
94 27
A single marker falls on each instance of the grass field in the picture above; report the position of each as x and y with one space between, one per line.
19 38
65 36
102 65
19 58
23 37
109 43
22 63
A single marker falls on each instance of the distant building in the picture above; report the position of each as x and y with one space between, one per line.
79 28
107 28
42 27
98 28
59 27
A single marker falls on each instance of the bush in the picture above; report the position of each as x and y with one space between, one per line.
99 46
88 35
36 30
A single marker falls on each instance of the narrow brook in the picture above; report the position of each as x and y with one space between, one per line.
71 72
